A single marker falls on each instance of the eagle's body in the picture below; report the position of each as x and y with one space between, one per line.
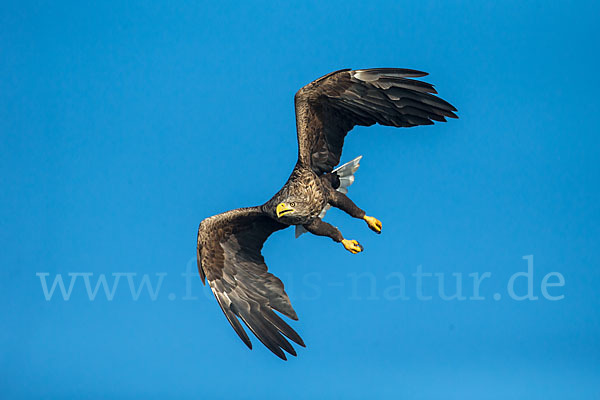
229 244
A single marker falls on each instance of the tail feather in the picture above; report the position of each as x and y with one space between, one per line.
346 174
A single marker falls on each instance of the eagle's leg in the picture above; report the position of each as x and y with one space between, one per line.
343 202
318 227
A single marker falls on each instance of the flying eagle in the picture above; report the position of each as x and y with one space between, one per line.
229 244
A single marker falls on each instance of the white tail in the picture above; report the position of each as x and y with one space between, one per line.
346 174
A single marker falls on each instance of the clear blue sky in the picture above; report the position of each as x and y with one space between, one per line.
123 125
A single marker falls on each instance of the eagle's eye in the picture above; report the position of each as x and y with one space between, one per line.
292 204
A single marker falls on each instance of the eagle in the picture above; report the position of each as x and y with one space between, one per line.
229 244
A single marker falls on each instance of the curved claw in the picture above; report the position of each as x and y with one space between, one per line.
374 223
352 246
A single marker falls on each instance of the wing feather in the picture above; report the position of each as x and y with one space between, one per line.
229 256
328 108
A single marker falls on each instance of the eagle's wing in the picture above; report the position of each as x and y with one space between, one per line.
229 257
328 108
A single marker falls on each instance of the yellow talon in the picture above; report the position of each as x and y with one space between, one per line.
373 223
352 246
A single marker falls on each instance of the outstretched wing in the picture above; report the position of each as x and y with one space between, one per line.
328 108
229 257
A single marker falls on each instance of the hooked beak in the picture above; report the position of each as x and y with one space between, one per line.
283 209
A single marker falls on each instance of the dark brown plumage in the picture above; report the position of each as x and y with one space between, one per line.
229 244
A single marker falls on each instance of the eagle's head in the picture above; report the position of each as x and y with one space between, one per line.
284 208
292 209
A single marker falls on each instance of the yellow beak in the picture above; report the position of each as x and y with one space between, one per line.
283 209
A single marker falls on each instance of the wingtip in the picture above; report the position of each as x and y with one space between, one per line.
413 73
290 313
277 351
419 74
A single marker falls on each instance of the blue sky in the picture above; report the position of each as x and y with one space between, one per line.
123 125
